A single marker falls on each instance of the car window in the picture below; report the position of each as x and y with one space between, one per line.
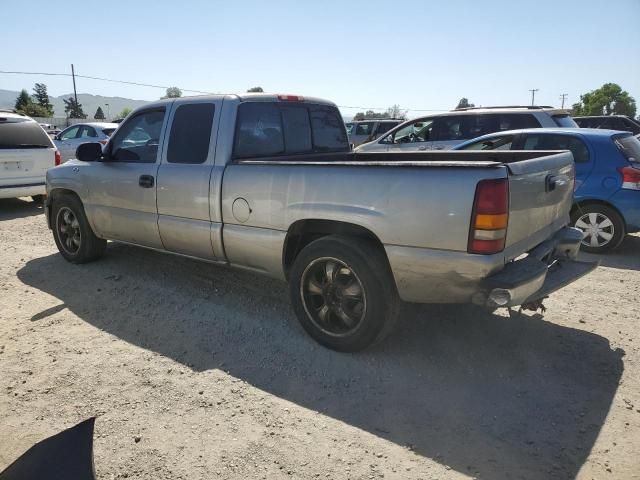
364 128
87 132
258 131
191 133
517 121
495 143
349 127
328 130
451 128
138 138
384 127
297 129
539 141
108 131
415 132
564 120
70 133
629 146
23 135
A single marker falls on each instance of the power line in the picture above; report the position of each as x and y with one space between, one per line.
140 84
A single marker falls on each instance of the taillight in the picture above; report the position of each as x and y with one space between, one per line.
630 178
103 142
490 217
57 158
290 98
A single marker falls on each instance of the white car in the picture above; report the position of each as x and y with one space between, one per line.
444 131
68 140
26 153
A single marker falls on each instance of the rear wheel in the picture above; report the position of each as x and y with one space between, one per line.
72 233
602 226
343 292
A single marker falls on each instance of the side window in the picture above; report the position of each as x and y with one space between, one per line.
495 143
415 132
137 140
517 121
364 128
558 142
258 131
449 128
384 127
69 133
87 132
297 129
328 130
191 133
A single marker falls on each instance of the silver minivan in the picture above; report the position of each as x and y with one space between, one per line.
444 131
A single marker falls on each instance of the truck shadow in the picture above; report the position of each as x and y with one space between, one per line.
488 395
626 256
11 208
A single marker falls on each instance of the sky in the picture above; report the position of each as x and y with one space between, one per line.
421 55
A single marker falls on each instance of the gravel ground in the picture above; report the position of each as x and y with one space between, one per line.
196 371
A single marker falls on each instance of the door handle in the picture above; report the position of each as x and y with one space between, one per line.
422 148
439 147
554 181
145 181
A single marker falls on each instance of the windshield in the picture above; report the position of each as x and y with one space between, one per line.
565 121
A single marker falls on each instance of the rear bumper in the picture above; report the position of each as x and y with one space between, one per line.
26 190
547 268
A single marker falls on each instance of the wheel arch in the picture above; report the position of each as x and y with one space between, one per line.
302 232
597 201
57 193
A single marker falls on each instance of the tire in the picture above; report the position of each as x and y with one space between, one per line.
603 226
72 233
39 199
343 292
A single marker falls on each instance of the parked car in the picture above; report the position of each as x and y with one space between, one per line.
268 183
607 197
362 131
609 122
26 152
446 130
71 137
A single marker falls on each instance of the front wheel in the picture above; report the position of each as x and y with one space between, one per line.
343 292
601 225
72 233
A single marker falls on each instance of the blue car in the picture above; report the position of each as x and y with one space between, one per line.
607 193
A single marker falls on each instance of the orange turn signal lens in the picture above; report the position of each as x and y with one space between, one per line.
491 222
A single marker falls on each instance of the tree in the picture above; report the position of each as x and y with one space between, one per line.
609 99
464 103
255 90
124 113
394 111
99 115
23 101
173 92
35 110
41 97
73 109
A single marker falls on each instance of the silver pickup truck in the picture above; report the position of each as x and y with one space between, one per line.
268 183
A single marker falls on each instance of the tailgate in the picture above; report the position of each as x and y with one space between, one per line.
540 198
21 166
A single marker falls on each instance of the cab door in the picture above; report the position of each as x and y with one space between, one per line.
122 187
184 179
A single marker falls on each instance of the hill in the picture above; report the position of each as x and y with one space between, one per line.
89 102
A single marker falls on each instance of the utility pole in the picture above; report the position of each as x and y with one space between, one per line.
533 95
108 113
73 75
563 97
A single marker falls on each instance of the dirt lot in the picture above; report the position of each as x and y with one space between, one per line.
196 371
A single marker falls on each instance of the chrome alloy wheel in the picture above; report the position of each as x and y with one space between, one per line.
598 229
68 230
333 296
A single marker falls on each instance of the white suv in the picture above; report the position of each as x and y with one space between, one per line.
444 131
26 152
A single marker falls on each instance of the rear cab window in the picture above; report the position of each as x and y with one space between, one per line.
23 135
266 129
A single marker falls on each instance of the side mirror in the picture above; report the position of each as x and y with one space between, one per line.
89 152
